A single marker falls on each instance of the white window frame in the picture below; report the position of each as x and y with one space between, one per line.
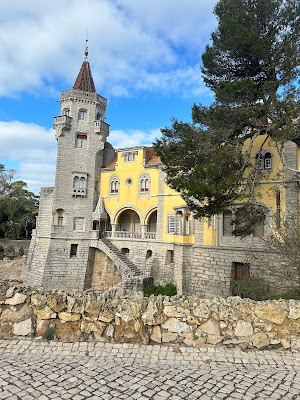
82 115
78 223
114 186
263 163
81 143
171 228
144 185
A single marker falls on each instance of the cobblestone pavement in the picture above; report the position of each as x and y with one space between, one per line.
34 369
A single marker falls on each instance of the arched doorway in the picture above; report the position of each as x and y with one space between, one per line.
151 225
128 224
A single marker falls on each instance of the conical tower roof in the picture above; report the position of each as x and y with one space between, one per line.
84 79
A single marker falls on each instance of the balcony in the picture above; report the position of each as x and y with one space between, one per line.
101 127
62 122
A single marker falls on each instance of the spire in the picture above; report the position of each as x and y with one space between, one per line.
84 79
86 51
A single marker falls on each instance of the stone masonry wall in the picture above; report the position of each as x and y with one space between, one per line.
210 272
102 274
20 246
133 318
157 266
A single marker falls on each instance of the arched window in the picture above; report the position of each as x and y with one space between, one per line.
79 185
81 141
144 185
66 111
130 156
75 182
114 185
98 116
263 160
148 254
82 115
59 217
82 183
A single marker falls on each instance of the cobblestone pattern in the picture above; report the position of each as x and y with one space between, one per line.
31 369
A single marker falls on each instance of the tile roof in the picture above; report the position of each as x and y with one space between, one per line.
151 158
84 79
113 163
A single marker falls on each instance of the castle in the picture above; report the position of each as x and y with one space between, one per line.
111 220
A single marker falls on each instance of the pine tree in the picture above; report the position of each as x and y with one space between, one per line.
252 66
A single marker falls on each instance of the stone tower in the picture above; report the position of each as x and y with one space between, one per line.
59 251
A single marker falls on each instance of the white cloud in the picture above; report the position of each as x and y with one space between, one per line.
130 137
130 42
34 147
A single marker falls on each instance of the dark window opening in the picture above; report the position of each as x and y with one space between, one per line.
125 250
170 257
240 271
95 225
73 251
148 254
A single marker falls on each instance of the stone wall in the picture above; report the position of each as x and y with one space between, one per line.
102 274
133 318
20 247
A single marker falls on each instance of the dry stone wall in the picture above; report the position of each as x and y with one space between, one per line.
132 318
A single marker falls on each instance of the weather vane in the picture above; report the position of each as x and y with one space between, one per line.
86 51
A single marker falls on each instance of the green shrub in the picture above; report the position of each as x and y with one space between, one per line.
293 294
48 334
168 290
252 288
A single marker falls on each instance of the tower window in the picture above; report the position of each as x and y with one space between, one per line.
73 250
66 111
75 182
81 141
82 183
78 223
82 115
59 217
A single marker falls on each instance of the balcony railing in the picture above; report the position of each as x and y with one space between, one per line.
130 235
101 127
64 121
150 235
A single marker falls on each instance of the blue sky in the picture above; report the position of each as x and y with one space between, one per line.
145 57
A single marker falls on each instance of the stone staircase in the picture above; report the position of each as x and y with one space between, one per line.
123 257
131 275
